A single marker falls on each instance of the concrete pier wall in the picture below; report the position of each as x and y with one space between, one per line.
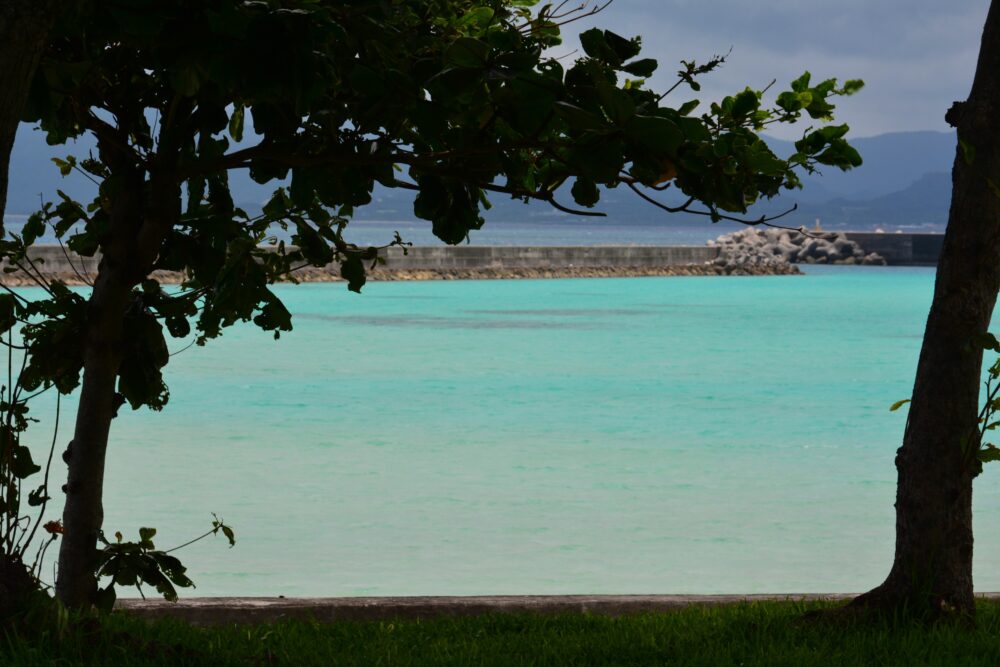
901 249
545 257
53 260
898 249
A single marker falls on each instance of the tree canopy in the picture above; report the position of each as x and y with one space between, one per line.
456 100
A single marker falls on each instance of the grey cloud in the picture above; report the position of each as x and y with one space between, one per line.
916 56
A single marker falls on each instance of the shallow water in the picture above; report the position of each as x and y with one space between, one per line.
645 435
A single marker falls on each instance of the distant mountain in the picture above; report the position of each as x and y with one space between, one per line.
923 205
892 162
903 182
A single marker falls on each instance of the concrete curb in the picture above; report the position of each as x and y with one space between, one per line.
230 611
226 611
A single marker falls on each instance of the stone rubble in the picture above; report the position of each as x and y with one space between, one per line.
751 251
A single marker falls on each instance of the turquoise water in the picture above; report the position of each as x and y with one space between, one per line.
650 435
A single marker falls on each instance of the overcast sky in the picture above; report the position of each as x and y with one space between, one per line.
915 56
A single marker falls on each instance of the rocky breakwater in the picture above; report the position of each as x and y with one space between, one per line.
781 247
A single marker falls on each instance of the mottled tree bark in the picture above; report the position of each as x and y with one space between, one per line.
932 570
24 25
83 513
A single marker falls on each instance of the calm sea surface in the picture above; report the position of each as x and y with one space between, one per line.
649 435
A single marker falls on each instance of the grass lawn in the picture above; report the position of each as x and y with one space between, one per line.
760 633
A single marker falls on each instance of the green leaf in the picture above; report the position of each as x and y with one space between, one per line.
104 598
274 316
353 271
688 107
789 101
178 326
479 16
617 103
585 192
987 341
468 52
831 132
219 524
840 154
172 568
38 497
140 375
852 86
643 68
661 135
236 123
745 103
152 575
801 84
989 453
898 404
21 465
577 118
596 46
33 228
65 166
126 571
623 48
8 312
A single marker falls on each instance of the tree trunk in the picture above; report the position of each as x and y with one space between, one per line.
932 570
24 25
83 514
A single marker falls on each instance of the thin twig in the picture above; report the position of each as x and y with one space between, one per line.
38 280
45 480
213 531
86 280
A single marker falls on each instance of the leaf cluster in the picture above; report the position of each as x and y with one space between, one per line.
140 563
988 414
23 501
135 564
978 450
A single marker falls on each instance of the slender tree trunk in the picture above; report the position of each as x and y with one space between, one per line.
83 514
24 25
932 570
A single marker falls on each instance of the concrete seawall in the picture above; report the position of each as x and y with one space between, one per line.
898 249
901 249
544 257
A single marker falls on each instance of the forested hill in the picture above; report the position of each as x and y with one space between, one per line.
905 182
